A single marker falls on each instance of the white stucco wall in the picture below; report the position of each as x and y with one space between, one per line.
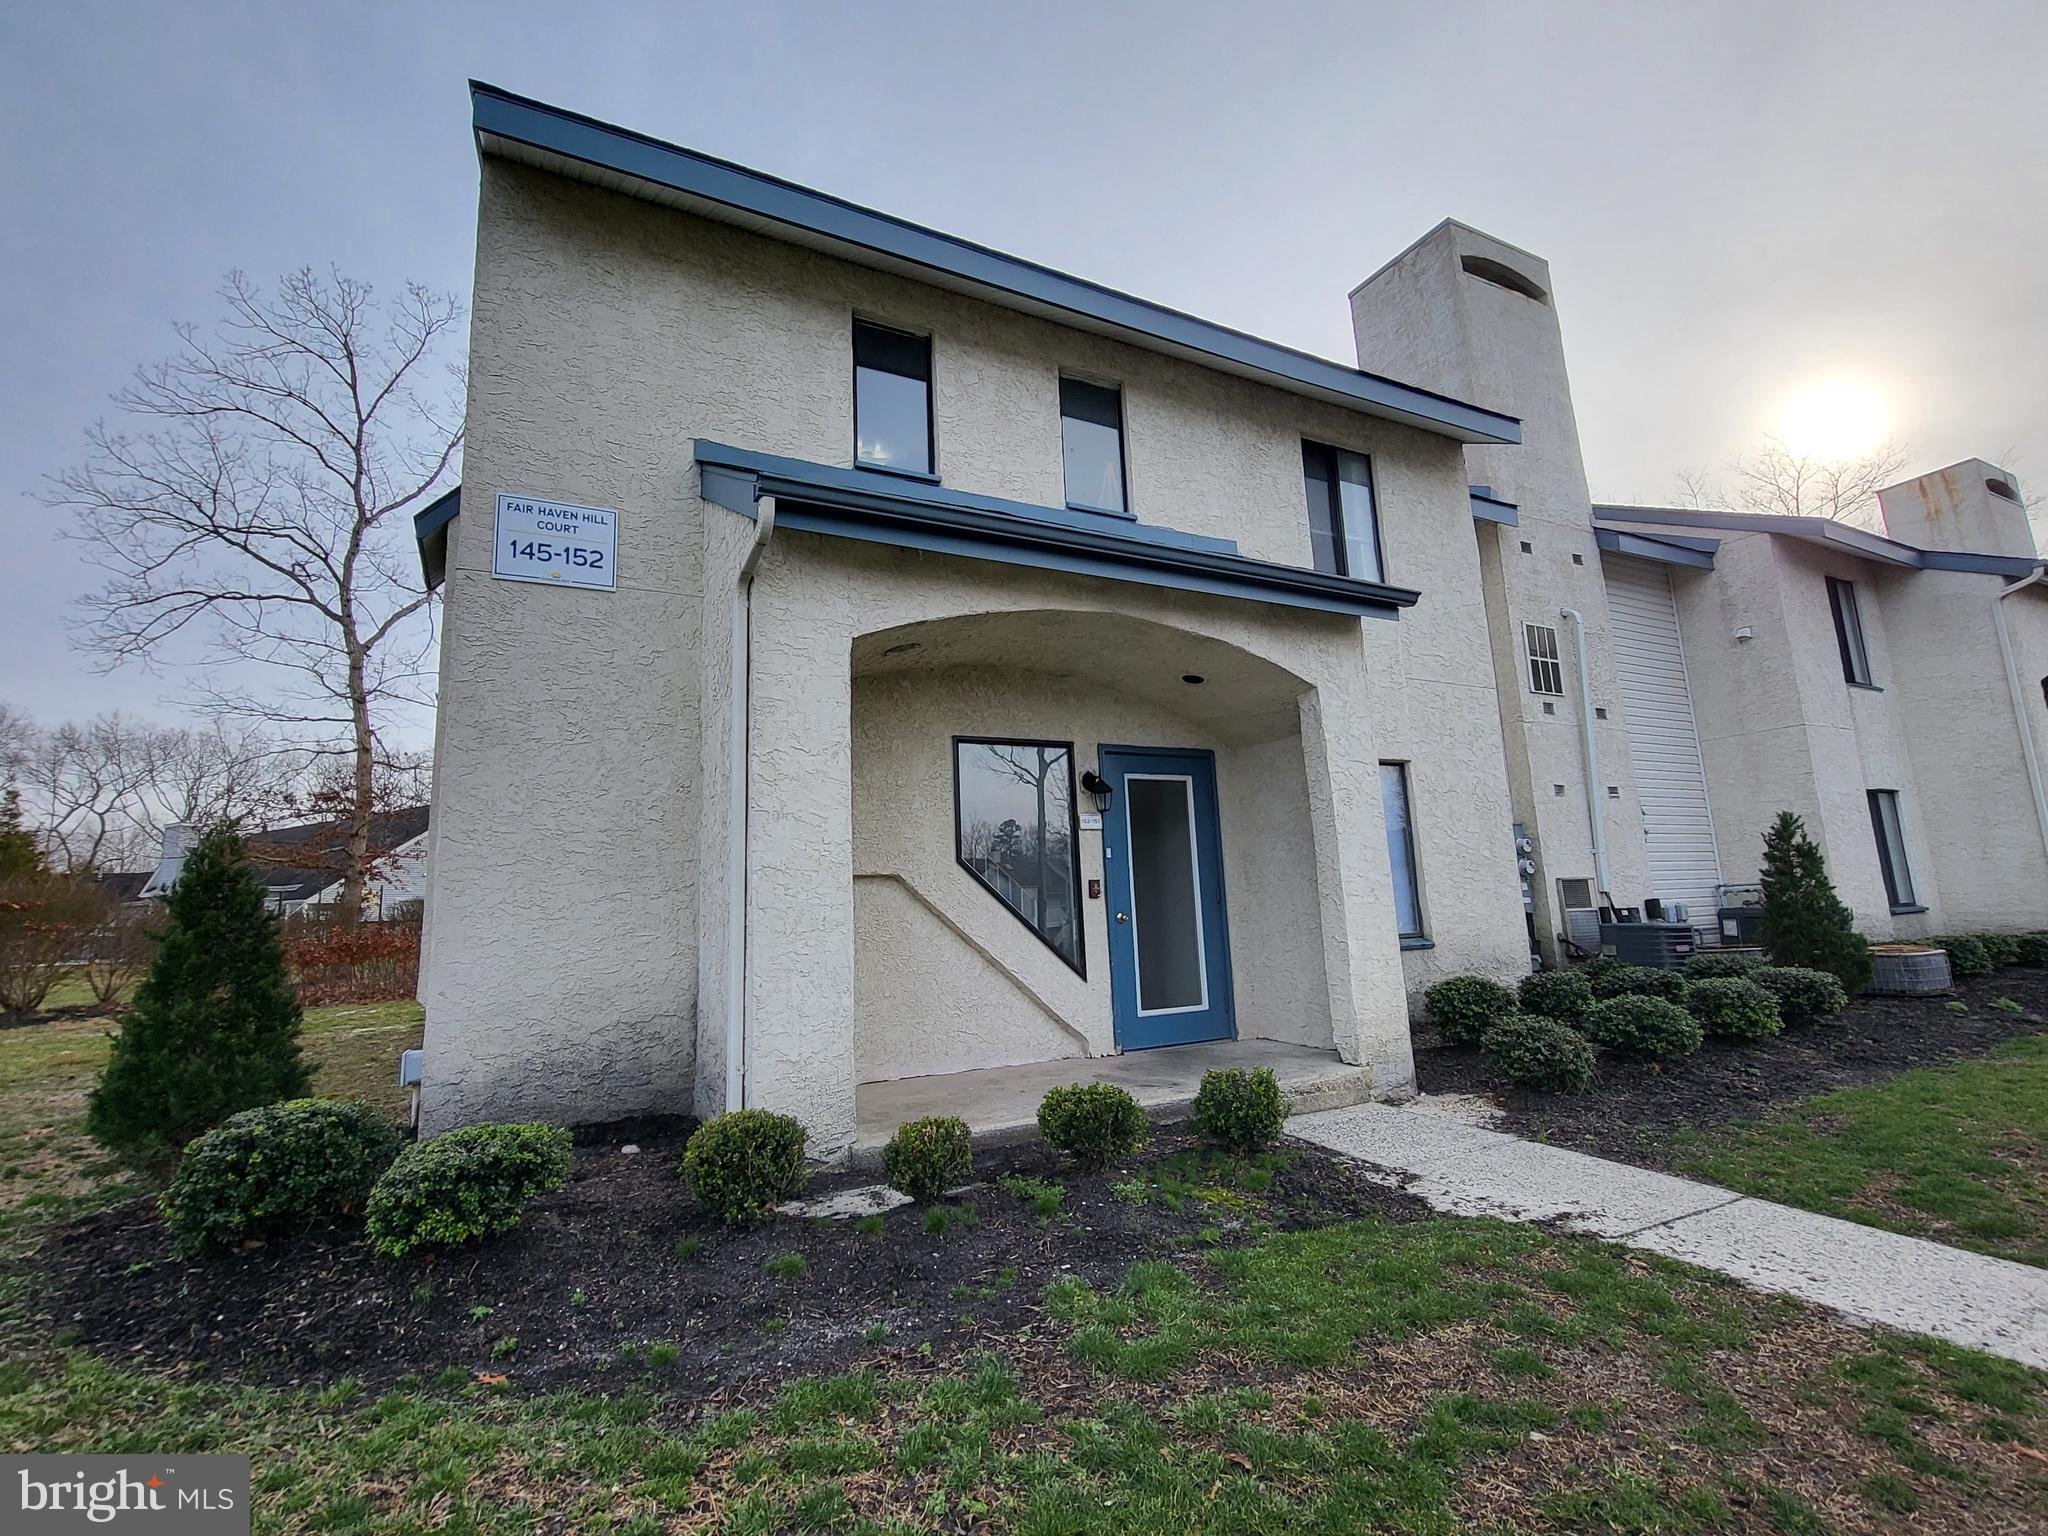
583 809
1423 317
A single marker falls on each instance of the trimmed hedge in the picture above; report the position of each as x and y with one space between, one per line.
1642 1028
1239 1109
1805 996
465 1185
1966 954
744 1161
1562 995
275 1171
2031 950
1639 981
1710 963
925 1158
1539 1053
1093 1123
1734 1007
1463 1008
2001 949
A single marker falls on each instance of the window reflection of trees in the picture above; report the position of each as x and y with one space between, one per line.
1015 833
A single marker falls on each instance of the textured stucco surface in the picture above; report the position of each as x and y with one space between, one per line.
579 922
1426 319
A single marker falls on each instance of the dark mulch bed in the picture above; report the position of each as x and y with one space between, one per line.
322 1307
1632 1111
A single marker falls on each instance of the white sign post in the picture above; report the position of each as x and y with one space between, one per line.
557 543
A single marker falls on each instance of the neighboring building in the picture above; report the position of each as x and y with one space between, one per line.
953 664
301 867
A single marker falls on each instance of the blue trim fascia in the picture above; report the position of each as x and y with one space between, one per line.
816 498
1823 530
1643 546
1490 507
533 123
430 532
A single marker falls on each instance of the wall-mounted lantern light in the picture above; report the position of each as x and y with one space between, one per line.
1098 788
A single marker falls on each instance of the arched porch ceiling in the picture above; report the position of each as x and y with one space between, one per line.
1242 698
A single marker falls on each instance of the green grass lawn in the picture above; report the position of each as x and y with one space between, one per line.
48 1167
1958 1153
1432 1377
1429 1377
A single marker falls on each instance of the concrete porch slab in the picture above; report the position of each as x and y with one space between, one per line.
1001 1103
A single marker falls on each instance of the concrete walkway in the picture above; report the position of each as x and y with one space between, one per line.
1000 1103
1858 1271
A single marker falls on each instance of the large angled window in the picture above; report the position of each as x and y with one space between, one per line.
1013 813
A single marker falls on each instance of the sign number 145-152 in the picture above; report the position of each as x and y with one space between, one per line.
556 543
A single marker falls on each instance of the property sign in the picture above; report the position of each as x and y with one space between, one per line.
556 542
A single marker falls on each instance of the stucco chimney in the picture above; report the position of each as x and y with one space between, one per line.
1972 508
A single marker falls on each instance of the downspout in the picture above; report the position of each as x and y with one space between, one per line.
741 693
1594 815
2019 698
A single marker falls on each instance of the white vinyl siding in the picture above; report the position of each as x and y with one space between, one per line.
1663 741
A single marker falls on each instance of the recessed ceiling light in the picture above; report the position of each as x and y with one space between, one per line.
904 649
1192 677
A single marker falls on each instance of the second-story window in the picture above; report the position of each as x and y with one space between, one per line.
892 398
1849 631
1343 526
1546 670
1092 439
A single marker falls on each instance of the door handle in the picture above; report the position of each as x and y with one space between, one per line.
1123 917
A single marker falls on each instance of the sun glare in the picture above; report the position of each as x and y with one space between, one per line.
1831 421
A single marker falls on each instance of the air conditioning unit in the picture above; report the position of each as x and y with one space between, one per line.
1581 915
1667 946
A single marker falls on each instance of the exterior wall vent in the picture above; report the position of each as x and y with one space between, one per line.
1487 270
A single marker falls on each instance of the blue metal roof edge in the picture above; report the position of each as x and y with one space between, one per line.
1823 530
608 147
821 498
1648 547
430 532
1490 507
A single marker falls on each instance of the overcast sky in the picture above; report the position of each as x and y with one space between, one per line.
1735 199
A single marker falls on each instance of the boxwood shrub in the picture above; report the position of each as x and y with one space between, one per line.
1639 981
2001 949
1240 1110
275 1171
1709 963
1805 997
1966 954
1562 995
1093 1123
2031 950
465 1185
744 1161
925 1158
1643 1028
1462 1008
1735 1007
1539 1053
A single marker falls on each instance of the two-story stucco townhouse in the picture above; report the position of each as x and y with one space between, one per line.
872 662
971 666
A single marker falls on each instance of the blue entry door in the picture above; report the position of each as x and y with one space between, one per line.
1162 862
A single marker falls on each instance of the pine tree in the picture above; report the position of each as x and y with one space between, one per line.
1805 922
215 1025
20 858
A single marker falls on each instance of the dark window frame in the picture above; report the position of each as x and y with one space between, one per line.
1123 456
1328 453
1850 637
931 433
1893 862
1554 662
1078 961
1421 929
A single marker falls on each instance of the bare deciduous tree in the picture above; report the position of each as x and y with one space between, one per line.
1775 479
262 503
83 786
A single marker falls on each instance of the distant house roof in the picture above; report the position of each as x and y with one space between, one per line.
124 886
1824 531
298 863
